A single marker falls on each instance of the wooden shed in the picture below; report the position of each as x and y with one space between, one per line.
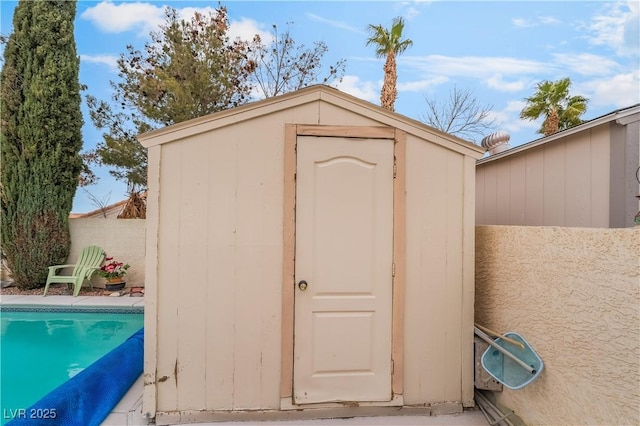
308 255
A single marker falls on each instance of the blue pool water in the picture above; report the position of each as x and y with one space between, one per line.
41 350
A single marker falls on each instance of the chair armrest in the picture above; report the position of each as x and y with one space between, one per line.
53 269
86 272
90 270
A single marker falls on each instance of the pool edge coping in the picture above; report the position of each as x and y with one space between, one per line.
71 304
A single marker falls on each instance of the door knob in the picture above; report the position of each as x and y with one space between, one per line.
302 285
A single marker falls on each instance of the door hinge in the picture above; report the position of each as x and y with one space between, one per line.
392 366
393 269
395 167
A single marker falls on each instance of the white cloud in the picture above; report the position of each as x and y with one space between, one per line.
549 20
256 93
338 24
108 60
420 85
509 119
535 22
246 29
515 106
412 12
186 13
586 63
617 27
474 66
367 90
117 18
146 17
521 23
497 82
621 90
411 9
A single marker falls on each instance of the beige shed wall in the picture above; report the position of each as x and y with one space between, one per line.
220 223
564 183
438 292
221 206
574 294
215 215
124 239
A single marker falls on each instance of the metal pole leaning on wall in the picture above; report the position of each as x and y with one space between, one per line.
492 413
505 352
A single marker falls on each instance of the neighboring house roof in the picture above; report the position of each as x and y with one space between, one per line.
112 210
622 116
305 96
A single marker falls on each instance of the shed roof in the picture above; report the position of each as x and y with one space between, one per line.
622 116
304 96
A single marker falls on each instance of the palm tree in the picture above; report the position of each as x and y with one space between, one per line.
389 43
552 100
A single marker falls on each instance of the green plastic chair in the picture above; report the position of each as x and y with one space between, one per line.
88 262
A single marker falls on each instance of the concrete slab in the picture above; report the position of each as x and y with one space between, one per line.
123 301
129 410
467 418
41 300
140 303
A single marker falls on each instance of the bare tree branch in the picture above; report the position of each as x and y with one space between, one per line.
100 203
283 66
461 115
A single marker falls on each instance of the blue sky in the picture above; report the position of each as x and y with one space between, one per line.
499 50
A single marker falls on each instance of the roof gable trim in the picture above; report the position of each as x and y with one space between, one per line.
622 116
301 97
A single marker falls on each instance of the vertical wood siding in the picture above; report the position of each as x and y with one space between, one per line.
434 279
219 267
149 400
216 313
562 183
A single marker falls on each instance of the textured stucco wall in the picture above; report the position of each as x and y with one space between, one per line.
574 294
124 239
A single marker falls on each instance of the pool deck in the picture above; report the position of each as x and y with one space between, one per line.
129 409
80 301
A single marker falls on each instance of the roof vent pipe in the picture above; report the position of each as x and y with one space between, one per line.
496 142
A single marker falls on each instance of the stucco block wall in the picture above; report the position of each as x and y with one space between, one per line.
574 294
124 239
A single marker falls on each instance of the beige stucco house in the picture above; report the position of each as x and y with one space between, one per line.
308 255
585 176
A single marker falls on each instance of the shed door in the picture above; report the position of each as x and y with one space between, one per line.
344 252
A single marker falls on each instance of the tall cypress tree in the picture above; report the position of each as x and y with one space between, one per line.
40 139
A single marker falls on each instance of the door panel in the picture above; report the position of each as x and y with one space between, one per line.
344 251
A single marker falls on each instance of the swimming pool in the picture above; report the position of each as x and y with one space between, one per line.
40 350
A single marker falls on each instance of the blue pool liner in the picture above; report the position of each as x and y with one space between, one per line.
88 397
